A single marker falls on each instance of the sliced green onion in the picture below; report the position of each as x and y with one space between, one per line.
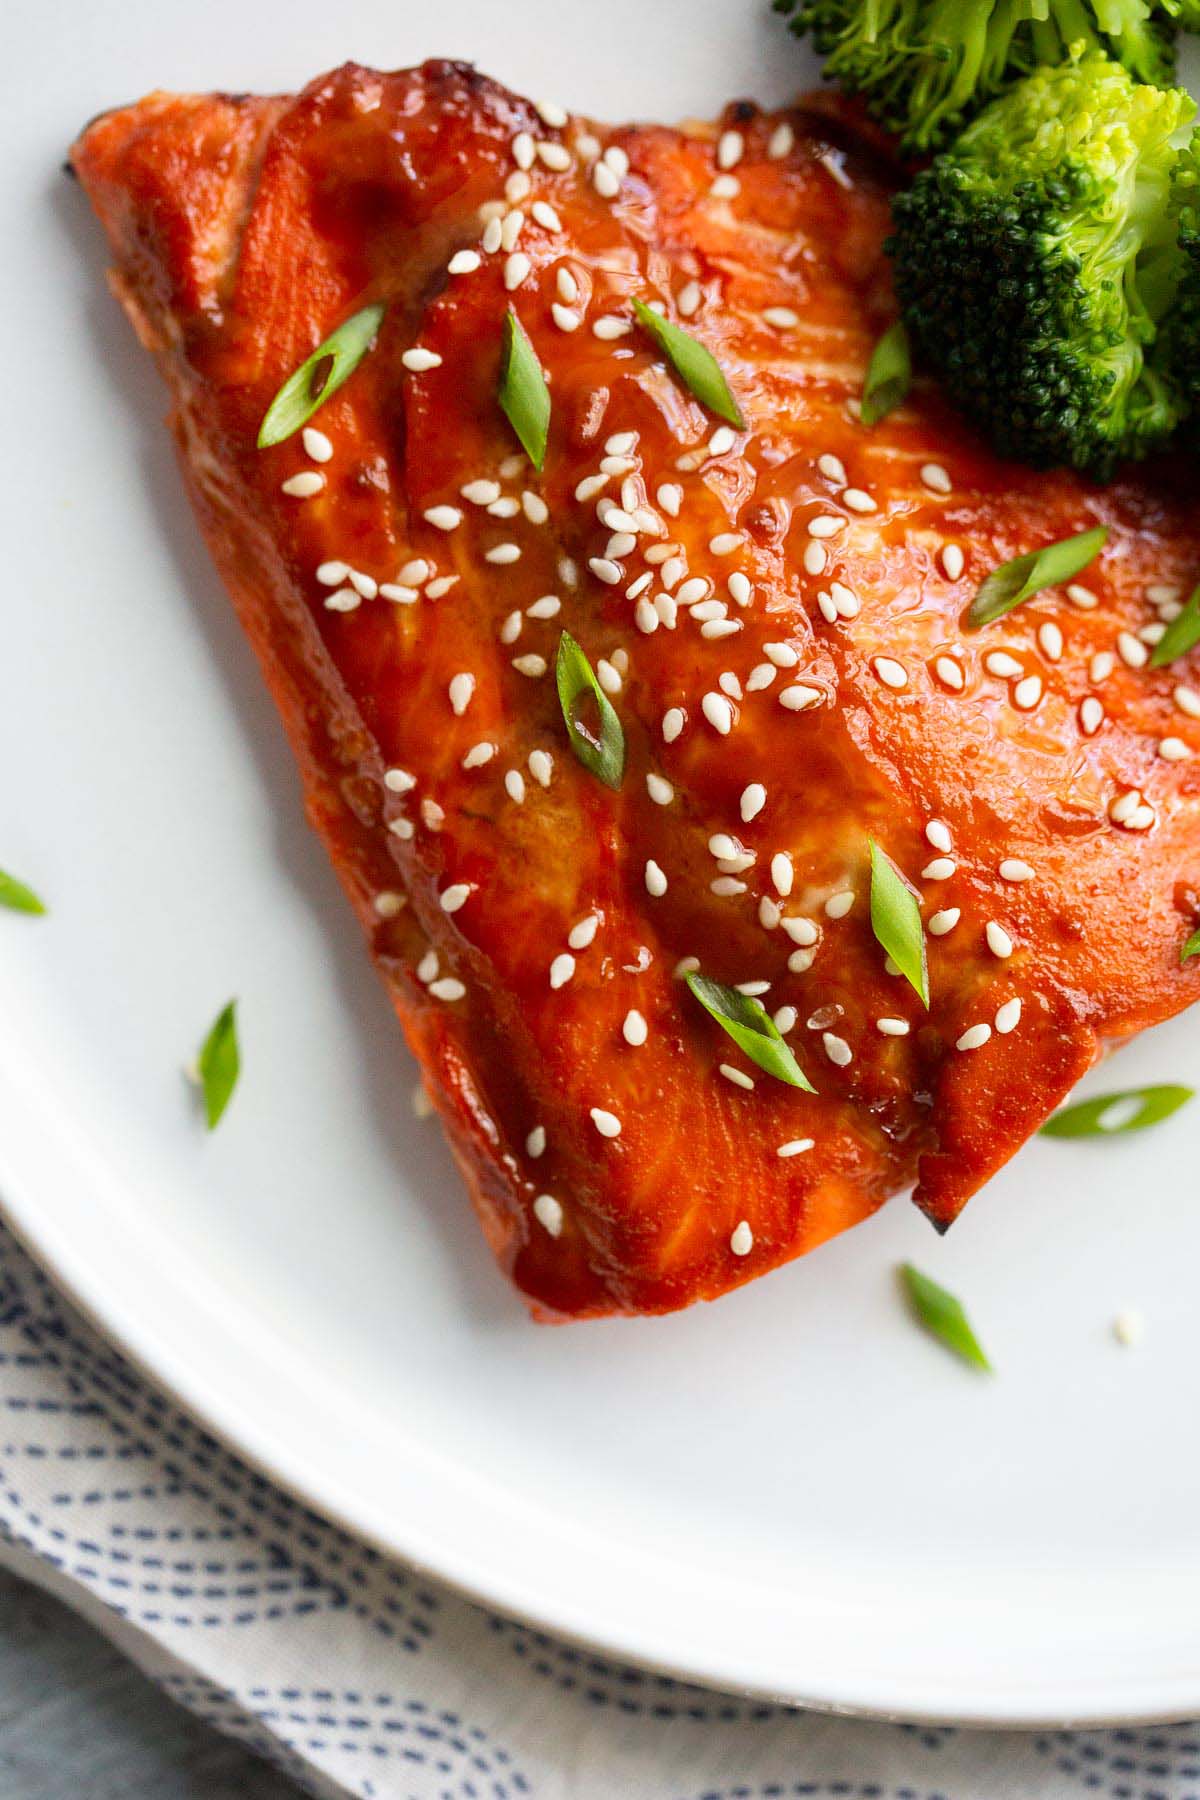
1181 634
896 920
313 383
17 897
942 1316
602 756
1109 1114
751 1028
889 375
523 393
219 1064
1191 948
696 367
1016 581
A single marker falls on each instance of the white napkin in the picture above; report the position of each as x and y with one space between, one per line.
359 1678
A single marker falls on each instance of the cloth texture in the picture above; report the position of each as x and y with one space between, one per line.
360 1678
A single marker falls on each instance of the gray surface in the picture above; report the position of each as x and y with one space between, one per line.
78 1723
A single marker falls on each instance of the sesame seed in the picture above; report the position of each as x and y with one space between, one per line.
673 722
825 525
940 869
998 940
890 672
785 1017
1188 701
522 149
838 905
590 485
608 676
974 1037
617 159
388 904
1153 634
1027 693
344 601
798 697
564 317
952 561
935 477
478 755
331 574
721 628
454 897
561 970
944 921
718 711
443 518
535 1143
694 589
517 186
582 934
304 485
937 834
545 216
610 327
1132 651
800 961
541 766
605 570
399 781
510 629
551 114
783 318
1128 1327
427 968
656 881
418 360
605 182
554 156
725 887
1173 749
782 873
480 493
739 587
514 786
463 262
532 666
316 444
1101 666
688 299
432 815
1091 716
754 798
462 686
795 1147
837 1050
737 1076
1002 665
858 501
1013 869
568 287
549 1214
606 1123
415 572
1081 597
725 543
781 142
815 557
634 1029
950 673
725 187
1050 639
448 988
730 146
401 828
1008 1017
741 1241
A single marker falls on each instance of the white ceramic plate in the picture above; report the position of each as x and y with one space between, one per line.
792 1491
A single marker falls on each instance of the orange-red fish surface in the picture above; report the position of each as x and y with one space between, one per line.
776 613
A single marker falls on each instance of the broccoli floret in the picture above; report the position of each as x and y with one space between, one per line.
1186 13
1180 334
1035 260
924 67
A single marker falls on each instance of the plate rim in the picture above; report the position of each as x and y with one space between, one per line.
195 1394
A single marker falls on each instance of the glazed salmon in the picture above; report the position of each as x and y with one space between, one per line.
775 612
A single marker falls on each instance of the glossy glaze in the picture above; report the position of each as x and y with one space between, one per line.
244 230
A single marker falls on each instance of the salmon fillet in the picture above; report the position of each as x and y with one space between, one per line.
775 612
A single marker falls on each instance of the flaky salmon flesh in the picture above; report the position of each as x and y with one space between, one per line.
775 612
